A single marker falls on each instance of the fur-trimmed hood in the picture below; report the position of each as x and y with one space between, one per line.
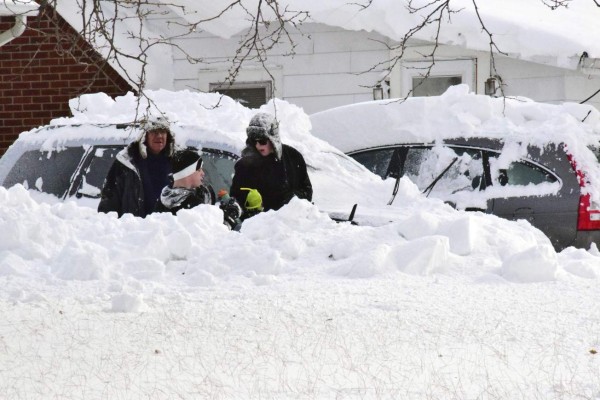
153 123
264 125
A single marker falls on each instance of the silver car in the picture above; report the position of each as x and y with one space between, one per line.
72 161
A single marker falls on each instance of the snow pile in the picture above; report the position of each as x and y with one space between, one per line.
54 248
438 303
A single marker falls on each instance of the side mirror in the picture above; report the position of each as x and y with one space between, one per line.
503 177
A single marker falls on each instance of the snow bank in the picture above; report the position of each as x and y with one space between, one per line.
56 248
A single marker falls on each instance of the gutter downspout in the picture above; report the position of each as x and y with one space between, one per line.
14 32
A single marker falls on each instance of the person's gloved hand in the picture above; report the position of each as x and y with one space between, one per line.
231 211
230 208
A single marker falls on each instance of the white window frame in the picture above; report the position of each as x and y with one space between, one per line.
465 68
267 85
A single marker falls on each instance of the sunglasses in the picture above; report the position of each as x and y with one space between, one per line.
158 132
261 141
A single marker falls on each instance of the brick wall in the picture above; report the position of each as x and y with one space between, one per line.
43 69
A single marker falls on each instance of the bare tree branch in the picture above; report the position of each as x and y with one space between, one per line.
493 46
436 13
554 4
272 26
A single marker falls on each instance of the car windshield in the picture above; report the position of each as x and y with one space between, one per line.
81 170
94 174
217 165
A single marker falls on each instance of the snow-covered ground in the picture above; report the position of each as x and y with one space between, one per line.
439 304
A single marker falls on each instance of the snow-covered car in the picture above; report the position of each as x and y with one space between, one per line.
69 157
71 161
516 159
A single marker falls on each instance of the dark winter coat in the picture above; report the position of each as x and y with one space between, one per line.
133 183
276 179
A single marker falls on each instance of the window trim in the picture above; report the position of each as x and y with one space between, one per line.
486 154
465 68
267 85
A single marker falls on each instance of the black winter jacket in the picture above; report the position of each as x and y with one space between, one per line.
123 190
276 180
175 199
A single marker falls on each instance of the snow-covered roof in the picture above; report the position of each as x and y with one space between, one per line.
528 30
524 30
18 7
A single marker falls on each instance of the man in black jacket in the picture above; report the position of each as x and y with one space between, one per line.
276 170
140 171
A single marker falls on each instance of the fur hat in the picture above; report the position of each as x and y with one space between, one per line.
261 126
185 162
153 123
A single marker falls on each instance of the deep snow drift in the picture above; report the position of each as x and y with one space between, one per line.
437 304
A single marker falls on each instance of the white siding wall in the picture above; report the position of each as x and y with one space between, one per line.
521 78
547 84
331 67
328 69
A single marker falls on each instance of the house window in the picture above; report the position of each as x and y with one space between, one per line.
249 94
440 76
434 85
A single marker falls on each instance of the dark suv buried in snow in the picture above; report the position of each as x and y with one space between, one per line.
543 185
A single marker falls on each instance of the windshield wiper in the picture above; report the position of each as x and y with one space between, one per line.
429 188
396 169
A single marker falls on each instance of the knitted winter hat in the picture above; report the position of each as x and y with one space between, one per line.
185 162
264 126
253 200
154 123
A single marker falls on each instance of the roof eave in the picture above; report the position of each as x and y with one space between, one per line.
11 8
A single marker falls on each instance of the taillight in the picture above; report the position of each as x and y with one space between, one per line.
587 219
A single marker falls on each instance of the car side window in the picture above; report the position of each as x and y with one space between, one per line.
522 173
49 172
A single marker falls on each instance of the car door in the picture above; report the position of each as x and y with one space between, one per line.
537 194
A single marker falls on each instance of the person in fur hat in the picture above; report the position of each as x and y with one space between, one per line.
276 170
187 188
140 171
